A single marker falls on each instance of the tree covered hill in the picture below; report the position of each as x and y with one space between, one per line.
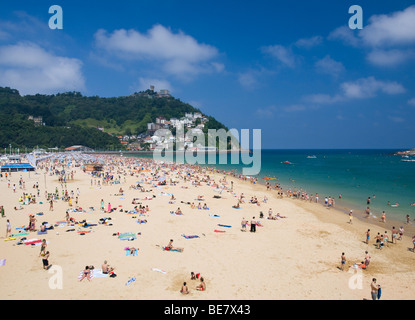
71 118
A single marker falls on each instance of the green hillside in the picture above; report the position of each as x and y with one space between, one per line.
71 118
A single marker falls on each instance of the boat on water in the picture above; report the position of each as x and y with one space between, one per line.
311 157
286 162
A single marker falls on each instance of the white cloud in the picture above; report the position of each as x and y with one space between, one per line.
411 102
294 108
384 37
329 66
281 53
396 119
362 88
4 35
271 111
267 112
345 34
389 58
322 98
369 87
178 53
309 42
31 69
396 28
247 79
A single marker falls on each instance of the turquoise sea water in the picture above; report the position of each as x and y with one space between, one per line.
355 174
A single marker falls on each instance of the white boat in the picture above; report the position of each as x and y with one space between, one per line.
311 157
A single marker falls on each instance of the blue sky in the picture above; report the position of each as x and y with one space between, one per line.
293 69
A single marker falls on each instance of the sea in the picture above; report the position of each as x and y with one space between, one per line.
348 176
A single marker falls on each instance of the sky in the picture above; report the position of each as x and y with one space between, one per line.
296 70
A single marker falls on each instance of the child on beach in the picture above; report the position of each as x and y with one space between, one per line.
184 289
45 260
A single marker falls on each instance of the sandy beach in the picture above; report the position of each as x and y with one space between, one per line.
296 258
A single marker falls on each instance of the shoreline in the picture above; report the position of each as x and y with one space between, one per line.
306 245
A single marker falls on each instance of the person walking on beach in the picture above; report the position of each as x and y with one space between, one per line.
374 288
253 225
367 259
343 261
383 218
367 236
8 228
351 217
400 233
43 248
394 234
243 223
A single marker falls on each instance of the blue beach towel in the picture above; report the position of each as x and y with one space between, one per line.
130 281
191 236
128 252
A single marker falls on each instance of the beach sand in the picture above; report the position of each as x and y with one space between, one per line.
294 258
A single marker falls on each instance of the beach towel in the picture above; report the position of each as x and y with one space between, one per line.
191 236
141 221
84 231
32 242
20 234
10 238
224 225
176 249
130 281
128 238
214 216
220 231
128 252
2 262
97 273
159 270
126 234
42 232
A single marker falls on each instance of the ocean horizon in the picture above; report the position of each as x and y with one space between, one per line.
349 176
